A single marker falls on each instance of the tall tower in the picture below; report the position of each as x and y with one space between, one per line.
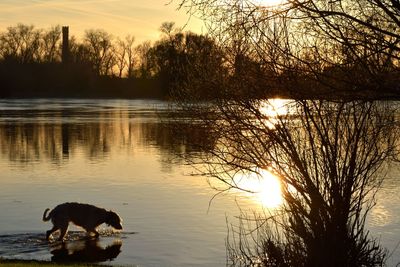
65 45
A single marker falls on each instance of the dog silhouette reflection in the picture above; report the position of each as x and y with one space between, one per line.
89 251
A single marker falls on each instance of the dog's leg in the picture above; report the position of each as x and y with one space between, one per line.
96 234
52 230
89 231
63 230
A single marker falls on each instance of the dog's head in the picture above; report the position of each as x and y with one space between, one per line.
113 220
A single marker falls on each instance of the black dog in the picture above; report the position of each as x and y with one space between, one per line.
86 216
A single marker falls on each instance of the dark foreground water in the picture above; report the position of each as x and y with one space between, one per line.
122 155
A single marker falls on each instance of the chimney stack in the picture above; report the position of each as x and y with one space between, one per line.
65 45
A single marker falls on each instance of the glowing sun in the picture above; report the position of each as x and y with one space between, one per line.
264 188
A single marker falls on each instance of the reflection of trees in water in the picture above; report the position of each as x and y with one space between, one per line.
176 140
85 251
176 137
26 142
57 139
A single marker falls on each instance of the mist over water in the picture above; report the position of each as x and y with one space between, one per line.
123 155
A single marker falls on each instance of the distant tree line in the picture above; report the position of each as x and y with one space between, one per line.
239 61
102 65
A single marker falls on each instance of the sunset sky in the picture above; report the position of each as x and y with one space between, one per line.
141 18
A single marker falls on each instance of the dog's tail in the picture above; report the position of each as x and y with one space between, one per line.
45 217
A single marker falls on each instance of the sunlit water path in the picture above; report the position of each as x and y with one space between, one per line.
121 155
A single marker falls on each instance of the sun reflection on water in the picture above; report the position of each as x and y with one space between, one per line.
275 107
263 188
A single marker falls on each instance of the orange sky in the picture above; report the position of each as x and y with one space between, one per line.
141 18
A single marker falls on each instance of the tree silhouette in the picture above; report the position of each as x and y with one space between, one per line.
327 154
100 48
329 157
343 47
144 58
20 43
51 44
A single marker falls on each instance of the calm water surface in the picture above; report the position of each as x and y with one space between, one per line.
122 155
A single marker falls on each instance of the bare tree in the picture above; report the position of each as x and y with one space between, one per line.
130 54
125 55
79 52
143 52
51 44
329 158
21 43
120 57
100 47
341 45
167 28
327 154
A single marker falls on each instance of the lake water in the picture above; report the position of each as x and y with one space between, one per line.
122 155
